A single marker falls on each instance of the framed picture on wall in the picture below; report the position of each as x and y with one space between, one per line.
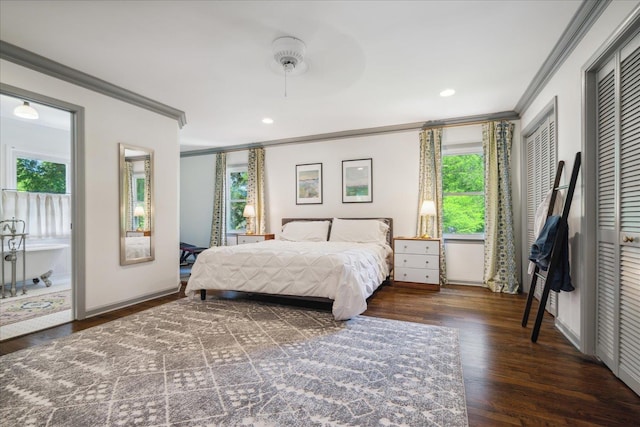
357 181
309 184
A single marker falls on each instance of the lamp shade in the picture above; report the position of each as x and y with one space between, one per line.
26 111
428 208
249 211
138 211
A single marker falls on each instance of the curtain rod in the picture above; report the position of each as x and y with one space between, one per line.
34 192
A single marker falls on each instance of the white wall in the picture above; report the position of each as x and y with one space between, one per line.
566 84
107 123
395 159
197 176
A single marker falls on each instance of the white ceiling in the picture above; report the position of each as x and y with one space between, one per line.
371 63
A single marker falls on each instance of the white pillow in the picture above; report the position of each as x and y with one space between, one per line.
359 230
305 231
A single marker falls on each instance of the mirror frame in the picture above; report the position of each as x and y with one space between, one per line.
123 203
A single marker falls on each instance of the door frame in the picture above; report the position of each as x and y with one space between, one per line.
77 177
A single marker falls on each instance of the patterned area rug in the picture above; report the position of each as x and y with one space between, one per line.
17 310
238 363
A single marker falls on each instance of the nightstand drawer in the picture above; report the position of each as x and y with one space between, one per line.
417 275
431 247
250 239
253 238
416 261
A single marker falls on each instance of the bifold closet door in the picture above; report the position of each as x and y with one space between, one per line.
618 215
541 164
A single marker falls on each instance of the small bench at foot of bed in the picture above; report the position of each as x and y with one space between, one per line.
188 250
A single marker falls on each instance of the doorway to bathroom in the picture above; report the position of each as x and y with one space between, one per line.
36 215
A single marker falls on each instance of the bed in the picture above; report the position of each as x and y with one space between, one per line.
137 246
340 260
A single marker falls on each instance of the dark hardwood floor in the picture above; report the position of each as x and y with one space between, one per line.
508 379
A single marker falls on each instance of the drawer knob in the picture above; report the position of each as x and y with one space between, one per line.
405 246
405 274
426 262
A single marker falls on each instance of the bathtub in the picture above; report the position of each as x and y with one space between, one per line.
40 260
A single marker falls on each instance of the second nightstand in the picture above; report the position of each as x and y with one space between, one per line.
416 262
254 238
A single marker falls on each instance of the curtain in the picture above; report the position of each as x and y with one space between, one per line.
255 190
130 202
219 223
499 247
147 194
430 188
46 215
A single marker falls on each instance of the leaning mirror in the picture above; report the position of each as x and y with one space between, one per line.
136 205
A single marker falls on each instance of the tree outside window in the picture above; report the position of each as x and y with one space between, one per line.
237 192
41 176
139 197
463 194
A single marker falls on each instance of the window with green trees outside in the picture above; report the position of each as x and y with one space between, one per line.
237 192
463 194
41 176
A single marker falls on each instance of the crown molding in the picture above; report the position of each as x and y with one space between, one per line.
46 66
356 133
584 18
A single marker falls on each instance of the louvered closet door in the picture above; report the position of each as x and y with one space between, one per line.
618 280
607 277
541 171
629 236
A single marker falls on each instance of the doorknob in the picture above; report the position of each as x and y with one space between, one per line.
628 239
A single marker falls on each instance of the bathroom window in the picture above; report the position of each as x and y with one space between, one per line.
38 173
41 176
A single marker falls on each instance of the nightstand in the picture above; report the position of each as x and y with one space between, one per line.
416 262
254 238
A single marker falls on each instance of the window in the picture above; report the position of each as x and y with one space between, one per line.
138 196
42 174
237 197
463 191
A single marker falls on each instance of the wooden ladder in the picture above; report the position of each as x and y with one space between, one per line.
558 243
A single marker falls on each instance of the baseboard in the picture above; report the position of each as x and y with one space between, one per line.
463 283
127 303
568 333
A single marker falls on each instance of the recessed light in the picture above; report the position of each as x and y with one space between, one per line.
267 121
447 92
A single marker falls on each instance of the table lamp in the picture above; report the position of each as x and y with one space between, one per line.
249 212
427 209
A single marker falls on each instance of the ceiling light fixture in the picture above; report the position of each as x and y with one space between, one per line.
447 92
267 120
26 111
288 53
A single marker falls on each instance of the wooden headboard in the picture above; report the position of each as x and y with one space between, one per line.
388 221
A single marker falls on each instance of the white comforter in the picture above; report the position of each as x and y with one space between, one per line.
347 273
137 247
